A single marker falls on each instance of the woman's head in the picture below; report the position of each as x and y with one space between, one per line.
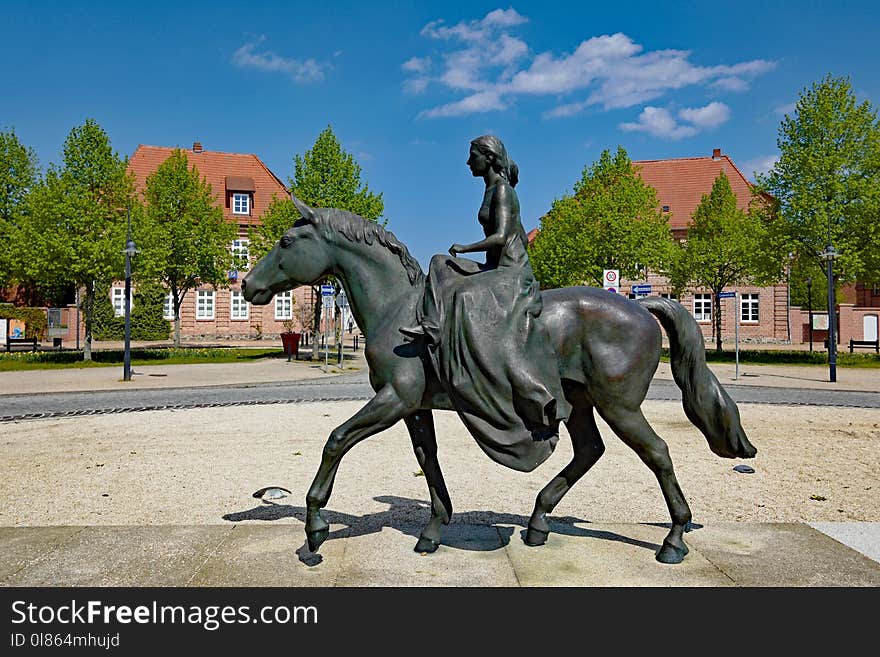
492 148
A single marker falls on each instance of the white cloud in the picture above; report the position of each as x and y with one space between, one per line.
786 109
483 56
761 164
302 71
484 101
417 64
710 116
660 122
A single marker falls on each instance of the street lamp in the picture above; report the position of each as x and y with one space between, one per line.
830 255
130 251
810 309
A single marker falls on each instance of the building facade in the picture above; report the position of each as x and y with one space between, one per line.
243 188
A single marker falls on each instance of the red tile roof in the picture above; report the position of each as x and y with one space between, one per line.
216 167
681 183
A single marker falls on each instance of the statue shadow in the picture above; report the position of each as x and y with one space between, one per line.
467 531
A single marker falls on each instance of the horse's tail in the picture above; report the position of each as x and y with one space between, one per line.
705 402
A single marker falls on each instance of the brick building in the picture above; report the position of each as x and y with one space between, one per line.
243 188
762 312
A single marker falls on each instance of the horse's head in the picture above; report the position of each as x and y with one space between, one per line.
300 257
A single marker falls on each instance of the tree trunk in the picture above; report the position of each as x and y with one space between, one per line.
716 302
88 312
176 303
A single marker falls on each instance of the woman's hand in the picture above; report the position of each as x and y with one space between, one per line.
455 249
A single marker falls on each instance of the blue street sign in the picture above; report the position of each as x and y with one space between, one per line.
641 289
727 295
327 290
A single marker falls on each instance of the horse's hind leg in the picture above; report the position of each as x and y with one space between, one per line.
634 430
588 447
424 440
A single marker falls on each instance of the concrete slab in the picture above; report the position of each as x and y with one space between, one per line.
471 555
585 554
775 554
273 555
863 537
22 546
122 556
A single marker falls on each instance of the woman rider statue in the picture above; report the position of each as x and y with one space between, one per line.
481 324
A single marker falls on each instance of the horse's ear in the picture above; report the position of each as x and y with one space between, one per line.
307 213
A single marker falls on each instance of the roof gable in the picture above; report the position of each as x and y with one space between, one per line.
217 168
681 183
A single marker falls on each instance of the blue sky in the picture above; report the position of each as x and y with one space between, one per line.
407 85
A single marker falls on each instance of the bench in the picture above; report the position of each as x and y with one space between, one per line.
14 342
864 344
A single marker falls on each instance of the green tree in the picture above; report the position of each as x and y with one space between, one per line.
75 232
725 246
326 176
187 239
612 221
827 181
18 175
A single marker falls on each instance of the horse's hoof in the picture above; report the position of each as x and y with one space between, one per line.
535 537
317 537
426 544
669 553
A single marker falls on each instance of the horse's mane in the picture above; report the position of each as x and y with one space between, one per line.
362 231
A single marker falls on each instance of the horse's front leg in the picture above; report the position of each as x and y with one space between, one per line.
424 440
381 412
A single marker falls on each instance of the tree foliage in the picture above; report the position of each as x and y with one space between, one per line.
18 174
187 238
326 176
612 221
725 246
75 231
827 181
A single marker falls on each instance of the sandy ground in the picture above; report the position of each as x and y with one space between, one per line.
201 466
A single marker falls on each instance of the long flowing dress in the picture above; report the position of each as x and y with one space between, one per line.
494 357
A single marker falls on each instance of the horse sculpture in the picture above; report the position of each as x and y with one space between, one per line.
608 349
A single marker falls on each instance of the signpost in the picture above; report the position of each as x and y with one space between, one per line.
611 280
732 295
643 289
327 299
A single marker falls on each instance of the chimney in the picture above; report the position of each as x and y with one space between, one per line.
197 147
716 153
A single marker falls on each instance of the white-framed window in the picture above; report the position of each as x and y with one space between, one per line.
284 305
240 254
748 308
703 307
205 304
117 298
241 203
238 307
168 307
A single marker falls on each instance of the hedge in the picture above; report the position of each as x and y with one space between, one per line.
147 322
36 322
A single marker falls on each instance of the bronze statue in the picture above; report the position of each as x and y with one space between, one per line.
513 362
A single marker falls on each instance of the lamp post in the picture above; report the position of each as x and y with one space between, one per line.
130 251
829 255
810 309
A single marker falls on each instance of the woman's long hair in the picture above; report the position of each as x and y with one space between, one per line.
503 164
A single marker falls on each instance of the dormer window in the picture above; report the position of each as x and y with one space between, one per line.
241 203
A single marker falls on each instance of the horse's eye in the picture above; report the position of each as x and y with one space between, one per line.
285 241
